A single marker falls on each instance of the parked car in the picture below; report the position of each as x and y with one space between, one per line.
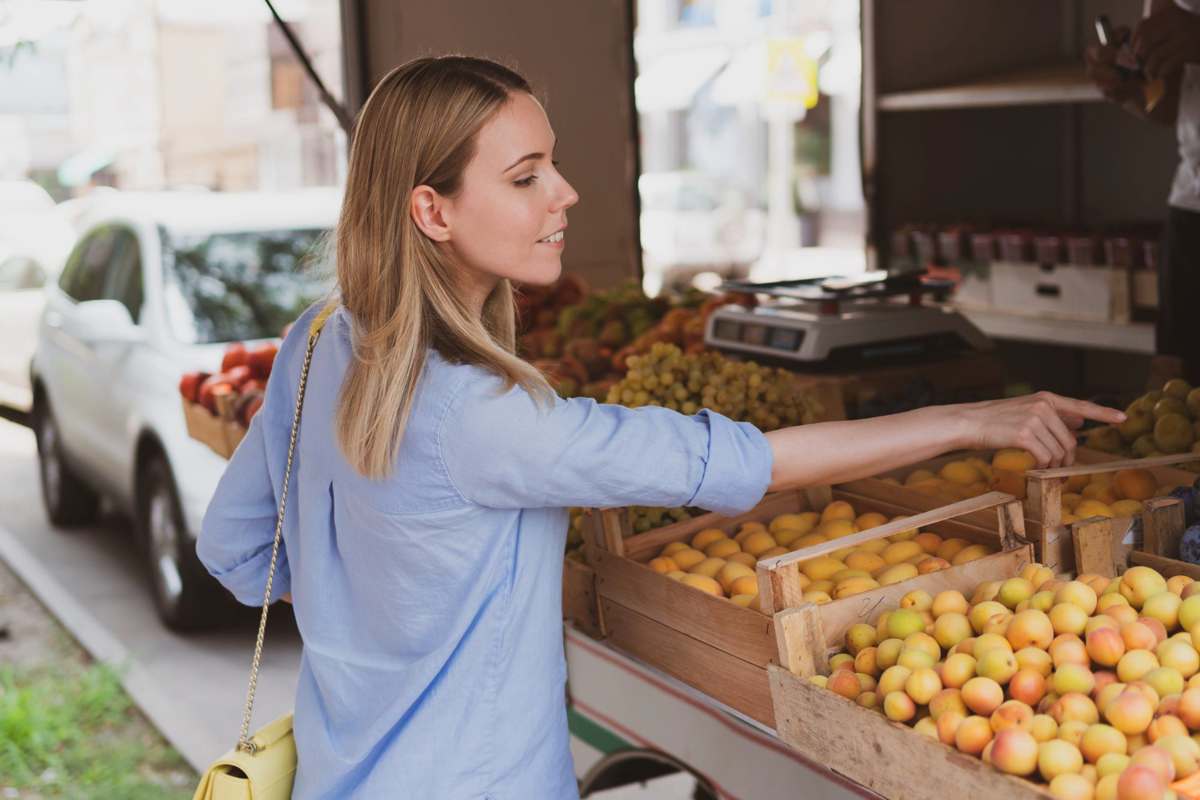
156 286
34 240
691 224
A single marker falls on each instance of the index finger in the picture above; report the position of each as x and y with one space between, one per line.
1069 406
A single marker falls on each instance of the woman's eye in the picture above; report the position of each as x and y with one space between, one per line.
526 181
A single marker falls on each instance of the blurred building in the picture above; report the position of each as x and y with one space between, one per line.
150 94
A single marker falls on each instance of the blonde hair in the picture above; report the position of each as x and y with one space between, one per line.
417 128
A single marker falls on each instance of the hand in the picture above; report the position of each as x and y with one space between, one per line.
1042 423
1101 63
287 598
1166 40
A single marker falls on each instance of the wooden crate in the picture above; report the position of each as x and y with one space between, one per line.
884 756
1043 508
208 428
723 649
861 744
579 604
1043 501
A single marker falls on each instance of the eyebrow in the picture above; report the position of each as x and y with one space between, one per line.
529 157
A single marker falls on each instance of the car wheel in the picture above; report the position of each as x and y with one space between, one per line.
68 500
186 596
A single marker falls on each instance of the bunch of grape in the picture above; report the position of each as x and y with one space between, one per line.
740 390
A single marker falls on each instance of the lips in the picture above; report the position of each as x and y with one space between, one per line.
553 238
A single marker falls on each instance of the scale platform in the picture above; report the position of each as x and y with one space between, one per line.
873 319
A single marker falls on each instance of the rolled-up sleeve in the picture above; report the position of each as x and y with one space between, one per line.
500 450
238 530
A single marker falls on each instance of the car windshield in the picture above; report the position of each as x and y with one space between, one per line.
234 286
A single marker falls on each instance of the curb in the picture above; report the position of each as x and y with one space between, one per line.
167 717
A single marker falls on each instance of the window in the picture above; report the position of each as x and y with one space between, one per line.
124 276
83 277
223 287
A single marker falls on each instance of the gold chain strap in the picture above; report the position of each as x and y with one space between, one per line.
245 743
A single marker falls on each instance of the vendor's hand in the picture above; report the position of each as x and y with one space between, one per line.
1042 423
1101 63
1166 40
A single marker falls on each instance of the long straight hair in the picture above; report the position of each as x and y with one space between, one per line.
404 295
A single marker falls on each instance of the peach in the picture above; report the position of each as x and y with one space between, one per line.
951 628
1188 709
924 642
1042 601
1156 626
1189 608
1163 607
1072 731
948 601
1034 659
982 695
1069 649
1136 663
1100 621
1030 628
1011 714
1015 752
922 685
1100 739
983 611
957 670
997 664
893 680
1057 757
997 623
1073 678
867 662
1139 583
1109 600
859 636
898 707
1043 727
1074 706
867 682
1165 681
1078 593
1140 783
1122 614
845 683
868 700
1184 752
1103 678
841 661
903 622
945 701
989 641
1180 656
1014 591
1071 787
1169 705
1130 712
1028 686
1105 646
887 652
1112 763
926 727
1106 788
930 564
1157 760
1163 726
1108 694
1068 618
947 726
972 735
1138 636
915 658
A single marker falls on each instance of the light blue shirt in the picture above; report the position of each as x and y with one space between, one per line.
429 603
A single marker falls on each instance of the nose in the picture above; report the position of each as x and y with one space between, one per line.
565 196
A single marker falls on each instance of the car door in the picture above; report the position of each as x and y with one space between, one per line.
63 360
115 375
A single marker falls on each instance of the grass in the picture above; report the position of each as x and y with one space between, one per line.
69 730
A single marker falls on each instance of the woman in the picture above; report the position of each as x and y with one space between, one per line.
433 468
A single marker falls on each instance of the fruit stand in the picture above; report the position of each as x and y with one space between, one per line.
968 621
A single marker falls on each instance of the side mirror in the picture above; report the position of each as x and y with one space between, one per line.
104 321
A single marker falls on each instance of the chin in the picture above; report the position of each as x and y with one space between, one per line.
541 276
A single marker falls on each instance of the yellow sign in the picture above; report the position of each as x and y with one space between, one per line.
791 73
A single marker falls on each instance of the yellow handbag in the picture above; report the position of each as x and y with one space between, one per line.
263 766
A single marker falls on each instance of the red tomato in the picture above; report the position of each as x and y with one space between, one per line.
261 358
190 383
239 375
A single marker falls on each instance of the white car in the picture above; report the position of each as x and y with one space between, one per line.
691 224
157 286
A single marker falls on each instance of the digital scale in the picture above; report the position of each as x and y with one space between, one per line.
863 320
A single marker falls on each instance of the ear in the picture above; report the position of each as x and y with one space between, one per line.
427 209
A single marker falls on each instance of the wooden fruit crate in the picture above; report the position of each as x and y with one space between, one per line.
885 756
1043 508
579 603
1100 545
211 429
1043 502
724 649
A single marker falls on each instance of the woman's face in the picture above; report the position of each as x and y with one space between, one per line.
509 218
